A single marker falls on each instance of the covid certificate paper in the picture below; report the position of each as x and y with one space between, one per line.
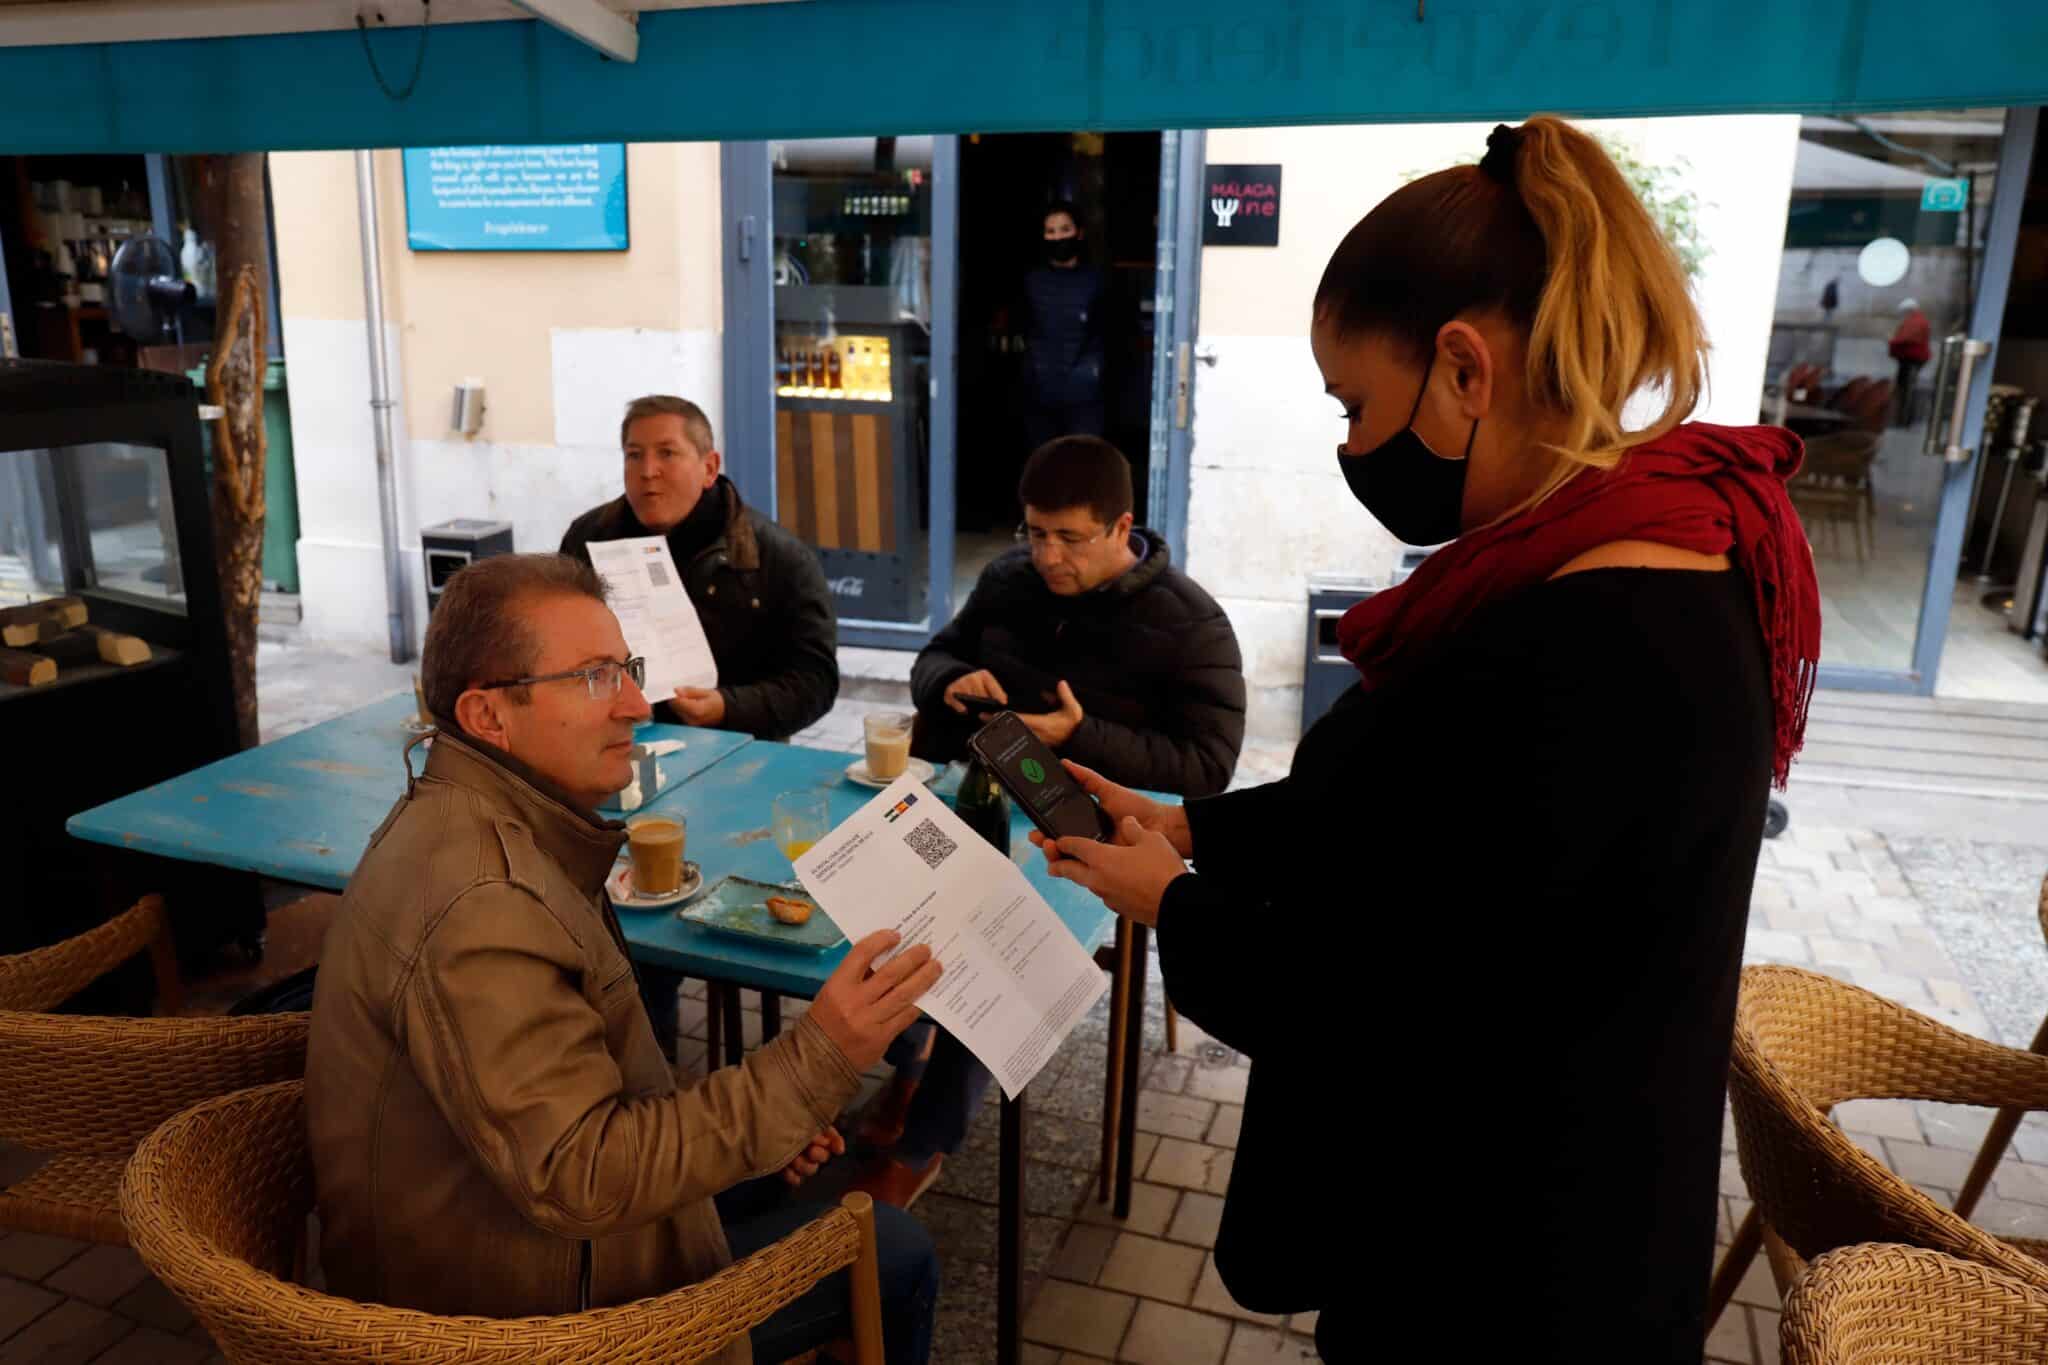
655 613
1016 979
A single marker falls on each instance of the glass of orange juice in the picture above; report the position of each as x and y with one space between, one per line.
801 819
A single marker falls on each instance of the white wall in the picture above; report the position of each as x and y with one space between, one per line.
1267 506
561 340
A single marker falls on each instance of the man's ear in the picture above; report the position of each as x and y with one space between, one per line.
476 711
1122 529
713 461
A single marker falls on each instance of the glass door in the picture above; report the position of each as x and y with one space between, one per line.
1898 249
840 344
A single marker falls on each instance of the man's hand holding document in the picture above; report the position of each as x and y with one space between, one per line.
1016 979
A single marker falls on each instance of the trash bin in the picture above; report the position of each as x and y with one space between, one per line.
280 479
450 545
1325 673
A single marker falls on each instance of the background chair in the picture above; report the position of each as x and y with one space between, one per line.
1833 486
1872 410
1999 1136
217 1200
1847 397
86 1089
1805 1043
1880 1304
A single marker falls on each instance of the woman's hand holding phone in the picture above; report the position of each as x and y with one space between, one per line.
1121 803
1130 875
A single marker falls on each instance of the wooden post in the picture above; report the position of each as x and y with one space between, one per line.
233 189
234 381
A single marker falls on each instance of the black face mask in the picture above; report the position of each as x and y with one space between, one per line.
1060 250
1409 488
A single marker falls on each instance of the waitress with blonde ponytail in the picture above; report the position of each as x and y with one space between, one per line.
1481 945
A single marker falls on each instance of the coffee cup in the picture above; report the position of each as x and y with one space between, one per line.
888 745
656 844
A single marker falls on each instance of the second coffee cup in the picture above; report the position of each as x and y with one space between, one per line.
656 844
888 743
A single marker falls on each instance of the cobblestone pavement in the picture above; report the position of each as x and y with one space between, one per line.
1943 925
1909 902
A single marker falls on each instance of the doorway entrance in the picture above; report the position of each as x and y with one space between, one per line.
879 389
1108 186
1899 247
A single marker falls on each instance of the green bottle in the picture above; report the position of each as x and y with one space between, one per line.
985 806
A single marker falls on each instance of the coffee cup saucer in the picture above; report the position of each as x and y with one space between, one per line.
619 886
917 769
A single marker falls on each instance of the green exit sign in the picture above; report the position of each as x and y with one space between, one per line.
1944 196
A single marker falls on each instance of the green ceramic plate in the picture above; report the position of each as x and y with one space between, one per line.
738 906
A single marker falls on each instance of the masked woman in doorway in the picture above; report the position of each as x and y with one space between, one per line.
1481 946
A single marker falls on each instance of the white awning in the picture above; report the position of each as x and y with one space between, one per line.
1821 169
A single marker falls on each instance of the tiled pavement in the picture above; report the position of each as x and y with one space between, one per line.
1945 926
1942 924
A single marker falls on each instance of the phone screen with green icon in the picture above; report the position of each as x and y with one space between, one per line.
1035 779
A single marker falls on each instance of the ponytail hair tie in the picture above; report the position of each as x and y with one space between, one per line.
1501 146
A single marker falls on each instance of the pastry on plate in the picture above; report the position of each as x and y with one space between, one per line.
789 910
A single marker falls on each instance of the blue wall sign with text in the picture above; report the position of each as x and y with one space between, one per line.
554 197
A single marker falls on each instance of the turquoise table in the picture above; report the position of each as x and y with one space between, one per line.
301 809
727 812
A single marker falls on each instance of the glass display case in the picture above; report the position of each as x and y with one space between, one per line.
104 507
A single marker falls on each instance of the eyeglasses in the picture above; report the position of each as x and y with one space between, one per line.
603 679
1038 538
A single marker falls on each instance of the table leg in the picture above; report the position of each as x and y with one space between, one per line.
658 990
714 1024
735 1034
1113 1071
771 1016
1010 1233
1134 1062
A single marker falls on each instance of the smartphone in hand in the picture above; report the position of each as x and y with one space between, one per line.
1036 780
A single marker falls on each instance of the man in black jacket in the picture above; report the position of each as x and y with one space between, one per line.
758 589
1112 656
1115 659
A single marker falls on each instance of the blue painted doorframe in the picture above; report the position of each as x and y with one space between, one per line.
1987 318
740 72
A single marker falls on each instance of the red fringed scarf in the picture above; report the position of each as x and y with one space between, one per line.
1710 489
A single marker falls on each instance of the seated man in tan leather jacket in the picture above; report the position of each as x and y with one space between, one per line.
493 1128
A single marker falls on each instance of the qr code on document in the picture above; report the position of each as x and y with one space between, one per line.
930 843
657 574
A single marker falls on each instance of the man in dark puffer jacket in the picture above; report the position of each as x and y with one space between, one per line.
1153 693
1115 659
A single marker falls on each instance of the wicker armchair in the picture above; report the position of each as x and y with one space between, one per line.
86 1090
1999 1136
1805 1043
218 1197
1897 1305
